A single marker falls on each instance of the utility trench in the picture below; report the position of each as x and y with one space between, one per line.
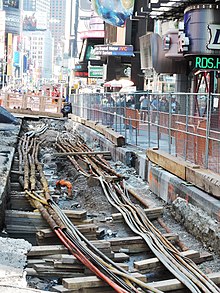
93 223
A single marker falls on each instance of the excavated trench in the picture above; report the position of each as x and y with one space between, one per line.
102 221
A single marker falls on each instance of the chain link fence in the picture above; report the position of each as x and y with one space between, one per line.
185 125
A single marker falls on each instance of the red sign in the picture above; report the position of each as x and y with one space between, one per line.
81 74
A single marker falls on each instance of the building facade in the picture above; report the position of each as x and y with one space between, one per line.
40 55
58 11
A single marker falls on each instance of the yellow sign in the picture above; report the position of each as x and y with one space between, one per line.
9 55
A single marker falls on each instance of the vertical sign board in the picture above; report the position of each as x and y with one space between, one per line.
9 55
2 34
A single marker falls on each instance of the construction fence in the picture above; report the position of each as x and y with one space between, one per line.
32 102
185 125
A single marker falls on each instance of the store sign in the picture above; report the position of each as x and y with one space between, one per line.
113 50
96 71
214 42
207 62
92 34
81 74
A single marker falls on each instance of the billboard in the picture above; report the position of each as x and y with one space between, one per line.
34 21
113 50
9 54
11 4
114 12
12 22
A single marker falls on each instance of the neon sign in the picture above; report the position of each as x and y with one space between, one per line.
207 62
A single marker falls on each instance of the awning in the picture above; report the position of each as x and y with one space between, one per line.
119 83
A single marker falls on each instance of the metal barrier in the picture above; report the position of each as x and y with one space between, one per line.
183 124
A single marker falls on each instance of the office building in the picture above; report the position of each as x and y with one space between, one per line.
58 27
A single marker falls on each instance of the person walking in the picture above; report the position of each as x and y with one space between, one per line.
154 108
163 105
144 106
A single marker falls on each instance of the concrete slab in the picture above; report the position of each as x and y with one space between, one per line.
13 259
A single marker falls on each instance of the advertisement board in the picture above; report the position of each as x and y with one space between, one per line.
9 54
11 4
12 22
113 50
114 12
33 21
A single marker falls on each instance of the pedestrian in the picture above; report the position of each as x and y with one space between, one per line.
175 106
164 104
154 108
144 106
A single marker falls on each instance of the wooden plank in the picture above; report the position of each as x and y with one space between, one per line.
83 153
152 214
121 256
57 273
47 250
83 228
100 128
204 179
92 281
116 138
36 215
62 289
73 266
150 264
37 114
174 284
84 282
91 123
133 244
174 165
50 268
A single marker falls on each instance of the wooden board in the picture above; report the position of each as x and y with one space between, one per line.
152 264
37 114
152 214
168 162
174 284
204 179
92 281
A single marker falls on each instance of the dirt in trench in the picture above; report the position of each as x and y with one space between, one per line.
94 201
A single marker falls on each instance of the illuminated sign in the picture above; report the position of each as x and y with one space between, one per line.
206 62
113 50
214 42
96 71
81 74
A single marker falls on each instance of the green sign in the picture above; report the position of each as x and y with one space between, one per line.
96 71
207 62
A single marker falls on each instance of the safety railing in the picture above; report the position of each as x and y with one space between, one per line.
183 124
